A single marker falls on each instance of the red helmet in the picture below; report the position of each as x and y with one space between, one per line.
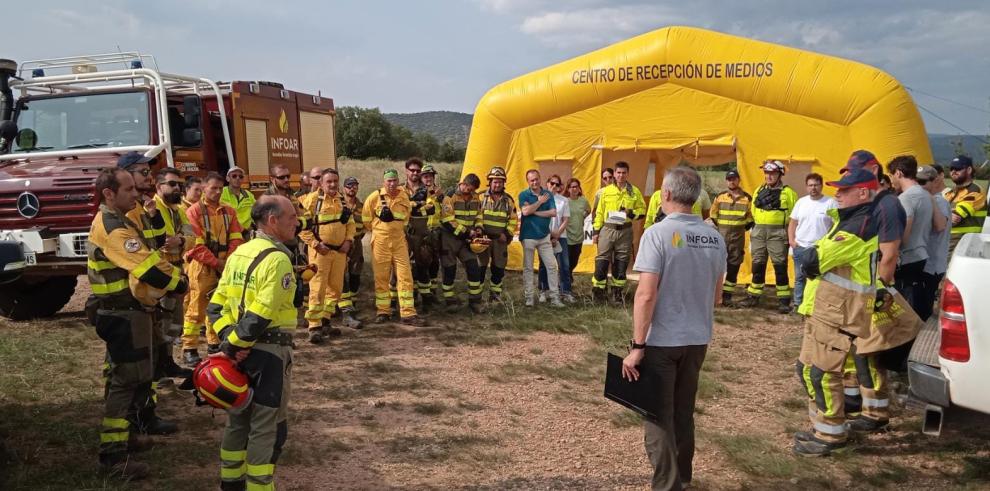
221 384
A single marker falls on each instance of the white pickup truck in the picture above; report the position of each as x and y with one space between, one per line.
950 361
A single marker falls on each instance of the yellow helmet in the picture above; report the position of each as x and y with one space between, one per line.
480 245
496 173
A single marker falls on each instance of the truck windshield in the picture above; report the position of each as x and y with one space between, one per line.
84 121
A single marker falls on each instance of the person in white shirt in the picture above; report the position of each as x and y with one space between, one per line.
558 238
810 221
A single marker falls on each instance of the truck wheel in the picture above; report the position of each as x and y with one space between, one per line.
27 299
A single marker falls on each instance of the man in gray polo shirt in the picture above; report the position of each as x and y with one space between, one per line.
681 262
917 202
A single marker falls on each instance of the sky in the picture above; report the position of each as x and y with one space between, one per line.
411 56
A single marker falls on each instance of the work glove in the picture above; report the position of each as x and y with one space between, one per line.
386 214
660 217
182 286
750 225
809 263
630 214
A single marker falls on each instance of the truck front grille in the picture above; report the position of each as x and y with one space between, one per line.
69 207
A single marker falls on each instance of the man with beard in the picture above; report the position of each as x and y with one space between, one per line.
418 232
968 200
178 239
152 226
329 239
218 234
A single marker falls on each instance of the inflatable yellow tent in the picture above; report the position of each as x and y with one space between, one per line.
681 94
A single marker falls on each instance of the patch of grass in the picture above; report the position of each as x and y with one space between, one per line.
536 351
709 388
756 456
975 468
794 403
626 419
429 408
417 448
887 473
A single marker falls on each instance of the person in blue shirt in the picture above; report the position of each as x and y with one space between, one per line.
537 206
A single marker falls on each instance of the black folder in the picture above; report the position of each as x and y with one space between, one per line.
641 396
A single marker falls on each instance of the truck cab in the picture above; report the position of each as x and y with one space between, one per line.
63 119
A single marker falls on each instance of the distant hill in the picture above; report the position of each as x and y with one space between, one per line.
455 126
443 125
943 148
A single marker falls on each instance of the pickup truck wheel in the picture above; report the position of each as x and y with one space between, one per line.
27 299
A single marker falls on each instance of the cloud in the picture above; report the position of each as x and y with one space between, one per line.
594 27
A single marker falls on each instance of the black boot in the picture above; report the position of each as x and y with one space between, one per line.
598 296
191 358
784 305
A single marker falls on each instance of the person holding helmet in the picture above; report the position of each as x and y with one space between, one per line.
498 217
968 200
619 205
772 205
461 223
732 216
841 270
355 257
252 311
329 238
128 280
386 212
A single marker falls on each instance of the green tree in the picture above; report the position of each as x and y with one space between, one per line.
363 133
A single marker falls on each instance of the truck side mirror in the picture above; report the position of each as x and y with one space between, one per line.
192 107
192 137
8 130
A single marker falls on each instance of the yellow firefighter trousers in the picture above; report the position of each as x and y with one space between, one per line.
388 253
202 281
326 286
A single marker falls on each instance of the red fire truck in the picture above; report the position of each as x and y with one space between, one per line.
63 119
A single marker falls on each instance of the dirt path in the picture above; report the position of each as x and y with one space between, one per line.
463 406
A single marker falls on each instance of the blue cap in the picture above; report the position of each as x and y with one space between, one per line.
856 178
860 159
132 158
350 181
961 162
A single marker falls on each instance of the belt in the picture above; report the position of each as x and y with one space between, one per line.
120 304
618 227
274 336
769 225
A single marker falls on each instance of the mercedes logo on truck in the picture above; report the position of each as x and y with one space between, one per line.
28 204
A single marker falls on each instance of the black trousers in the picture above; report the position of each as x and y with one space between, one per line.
909 279
670 441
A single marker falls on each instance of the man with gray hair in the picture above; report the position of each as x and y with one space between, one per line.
681 263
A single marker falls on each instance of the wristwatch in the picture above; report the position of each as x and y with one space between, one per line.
633 345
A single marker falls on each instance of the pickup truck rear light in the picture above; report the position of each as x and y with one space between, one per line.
955 340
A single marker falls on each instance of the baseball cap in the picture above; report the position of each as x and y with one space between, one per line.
234 169
926 173
772 166
856 178
858 160
960 162
731 175
350 181
390 174
428 169
132 158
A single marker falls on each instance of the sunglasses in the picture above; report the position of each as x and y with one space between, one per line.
552 183
143 172
236 176
607 178
414 171
173 184
281 178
